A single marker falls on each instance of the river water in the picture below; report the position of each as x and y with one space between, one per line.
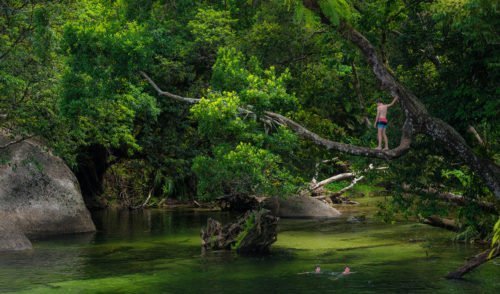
158 251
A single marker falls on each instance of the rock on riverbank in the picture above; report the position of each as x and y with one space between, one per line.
300 207
39 195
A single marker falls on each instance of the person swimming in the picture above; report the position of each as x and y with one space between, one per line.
317 270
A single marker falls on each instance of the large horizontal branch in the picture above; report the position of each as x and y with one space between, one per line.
397 152
305 133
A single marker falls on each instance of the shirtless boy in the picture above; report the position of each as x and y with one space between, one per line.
381 123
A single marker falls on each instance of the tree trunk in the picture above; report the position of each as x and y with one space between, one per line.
473 263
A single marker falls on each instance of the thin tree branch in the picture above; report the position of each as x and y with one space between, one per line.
168 94
473 131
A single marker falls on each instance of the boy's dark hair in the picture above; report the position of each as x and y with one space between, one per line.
379 100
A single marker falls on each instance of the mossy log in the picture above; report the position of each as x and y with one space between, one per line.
254 233
473 263
439 222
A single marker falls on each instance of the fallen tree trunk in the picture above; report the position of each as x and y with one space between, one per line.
254 233
473 263
443 223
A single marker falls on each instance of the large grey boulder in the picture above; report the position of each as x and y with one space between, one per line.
11 239
39 195
300 207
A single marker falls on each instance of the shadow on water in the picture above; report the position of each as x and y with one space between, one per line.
159 251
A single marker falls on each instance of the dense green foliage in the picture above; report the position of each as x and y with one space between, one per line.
69 73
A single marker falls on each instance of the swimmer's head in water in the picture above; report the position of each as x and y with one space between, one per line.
317 269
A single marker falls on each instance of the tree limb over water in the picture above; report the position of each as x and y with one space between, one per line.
305 133
473 263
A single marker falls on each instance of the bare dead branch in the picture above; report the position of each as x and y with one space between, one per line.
473 131
335 178
347 188
168 94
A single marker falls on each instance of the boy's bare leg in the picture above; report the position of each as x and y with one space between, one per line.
386 140
379 137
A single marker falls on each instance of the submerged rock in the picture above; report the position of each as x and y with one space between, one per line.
39 195
356 219
300 207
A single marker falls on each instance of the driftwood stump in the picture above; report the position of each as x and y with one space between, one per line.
252 233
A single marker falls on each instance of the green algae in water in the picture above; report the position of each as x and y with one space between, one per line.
159 251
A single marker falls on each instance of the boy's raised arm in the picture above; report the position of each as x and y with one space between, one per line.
393 101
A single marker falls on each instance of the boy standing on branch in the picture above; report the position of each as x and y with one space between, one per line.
381 123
